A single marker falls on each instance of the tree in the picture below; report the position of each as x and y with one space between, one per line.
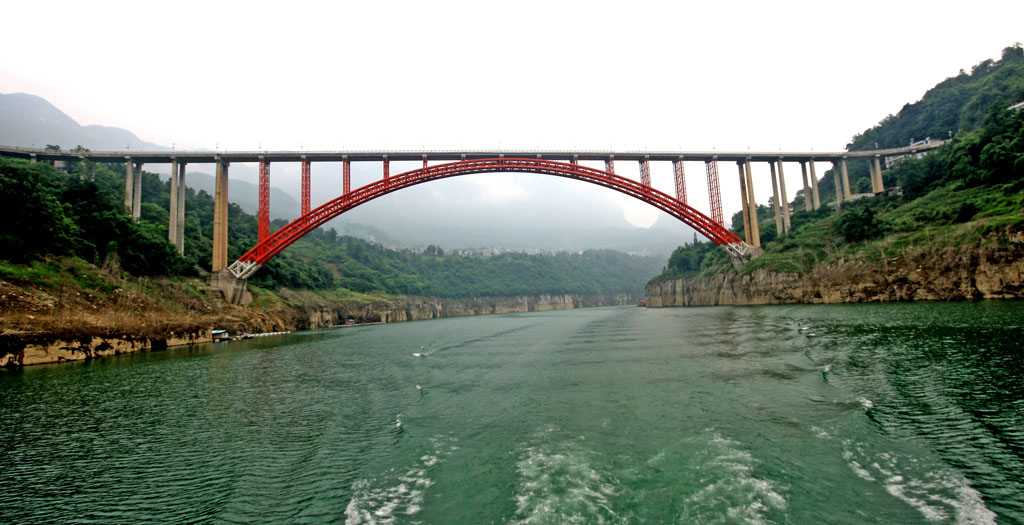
858 222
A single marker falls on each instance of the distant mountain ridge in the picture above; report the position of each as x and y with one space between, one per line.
30 121
246 195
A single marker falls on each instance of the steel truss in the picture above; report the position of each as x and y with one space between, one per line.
263 219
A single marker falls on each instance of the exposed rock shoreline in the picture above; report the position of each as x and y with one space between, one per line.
978 272
18 348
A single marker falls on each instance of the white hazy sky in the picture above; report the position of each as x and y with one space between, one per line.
475 75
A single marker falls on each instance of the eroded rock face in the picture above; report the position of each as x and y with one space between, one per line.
980 272
419 308
45 350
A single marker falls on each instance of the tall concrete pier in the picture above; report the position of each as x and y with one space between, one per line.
755 228
220 218
808 201
780 228
875 167
785 199
846 179
814 185
176 211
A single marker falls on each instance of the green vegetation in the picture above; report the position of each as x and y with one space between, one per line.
47 212
970 188
80 215
365 267
958 105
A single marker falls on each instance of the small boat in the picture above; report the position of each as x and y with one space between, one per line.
220 335
642 303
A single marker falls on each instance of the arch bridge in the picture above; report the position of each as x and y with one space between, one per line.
438 165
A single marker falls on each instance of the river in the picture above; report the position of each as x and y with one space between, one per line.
893 413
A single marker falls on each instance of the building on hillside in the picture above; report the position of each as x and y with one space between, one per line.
928 141
1017 107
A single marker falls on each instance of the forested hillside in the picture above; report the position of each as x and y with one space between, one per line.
960 104
80 214
970 189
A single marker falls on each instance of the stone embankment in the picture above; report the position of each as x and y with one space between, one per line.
18 349
980 272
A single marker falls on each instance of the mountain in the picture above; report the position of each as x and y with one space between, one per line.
30 121
247 195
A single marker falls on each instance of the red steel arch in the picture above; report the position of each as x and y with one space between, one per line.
282 238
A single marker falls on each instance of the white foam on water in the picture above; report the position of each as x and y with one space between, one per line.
937 492
820 433
857 468
558 484
395 493
732 493
866 403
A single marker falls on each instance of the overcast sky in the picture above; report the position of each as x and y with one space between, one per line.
478 75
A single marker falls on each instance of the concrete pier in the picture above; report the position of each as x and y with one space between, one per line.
233 288
129 183
846 179
746 206
137 192
220 218
839 184
808 201
877 185
785 198
180 243
755 228
814 186
176 210
172 209
780 228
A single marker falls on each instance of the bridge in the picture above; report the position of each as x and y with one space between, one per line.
438 165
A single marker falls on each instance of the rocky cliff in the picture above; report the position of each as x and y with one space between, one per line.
75 339
310 314
982 271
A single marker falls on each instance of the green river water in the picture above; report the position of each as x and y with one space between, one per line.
880 413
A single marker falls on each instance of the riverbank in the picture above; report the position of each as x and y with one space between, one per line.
42 325
992 268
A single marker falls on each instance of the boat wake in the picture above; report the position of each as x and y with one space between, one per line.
398 493
937 492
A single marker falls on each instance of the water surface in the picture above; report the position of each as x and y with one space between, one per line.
897 413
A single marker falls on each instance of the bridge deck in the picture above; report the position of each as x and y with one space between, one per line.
208 157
